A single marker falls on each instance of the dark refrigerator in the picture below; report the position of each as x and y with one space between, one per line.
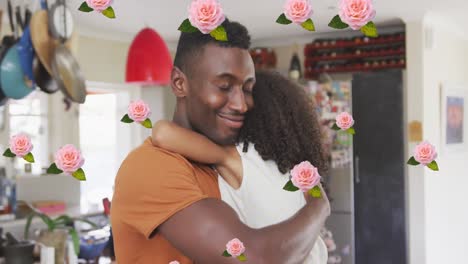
366 179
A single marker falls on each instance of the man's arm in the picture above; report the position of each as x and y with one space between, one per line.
202 230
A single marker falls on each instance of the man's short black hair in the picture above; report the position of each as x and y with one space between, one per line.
191 44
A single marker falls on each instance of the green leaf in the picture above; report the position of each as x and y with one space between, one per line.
242 258
282 19
370 30
49 222
109 12
126 119
84 7
226 254
412 161
187 27
9 154
433 166
53 169
289 186
337 23
29 157
351 131
315 192
63 220
219 34
308 25
28 225
335 127
79 175
147 123
76 240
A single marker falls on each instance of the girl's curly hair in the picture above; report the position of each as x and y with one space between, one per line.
283 124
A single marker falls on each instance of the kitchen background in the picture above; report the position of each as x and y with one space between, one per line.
382 210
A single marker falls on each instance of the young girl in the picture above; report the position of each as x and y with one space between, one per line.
281 131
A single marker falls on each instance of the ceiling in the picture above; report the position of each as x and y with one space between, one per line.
258 15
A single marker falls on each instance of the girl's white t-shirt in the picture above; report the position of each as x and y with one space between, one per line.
261 201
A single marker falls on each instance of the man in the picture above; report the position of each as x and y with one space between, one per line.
166 208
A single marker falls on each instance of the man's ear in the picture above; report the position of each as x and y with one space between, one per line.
178 82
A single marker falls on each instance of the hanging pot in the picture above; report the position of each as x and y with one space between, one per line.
61 23
42 76
12 79
44 45
68 73
65 68
43 79
7 42
25 47
26 54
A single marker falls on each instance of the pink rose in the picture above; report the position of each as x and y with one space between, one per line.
425 153
298 11
344 121
305 176
139 111
20 145
68 159
206 15
356 13
235 247
99 5
174 262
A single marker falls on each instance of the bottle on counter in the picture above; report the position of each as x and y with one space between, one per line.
295 72
7 198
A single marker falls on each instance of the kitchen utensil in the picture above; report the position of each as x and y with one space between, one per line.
44 44
41 76
65 68
12 78
61 24
68 73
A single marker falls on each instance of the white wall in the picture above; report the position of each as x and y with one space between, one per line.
415 180
446 208
102 60
437 52
105 61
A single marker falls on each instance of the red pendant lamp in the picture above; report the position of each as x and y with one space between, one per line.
148 61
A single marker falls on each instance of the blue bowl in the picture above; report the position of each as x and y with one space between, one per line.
12 78
93 250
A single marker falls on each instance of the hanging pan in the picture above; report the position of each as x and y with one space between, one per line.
12 78
7 42
65 67
42 44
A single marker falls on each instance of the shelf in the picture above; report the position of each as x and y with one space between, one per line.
314 73
353 44
363 55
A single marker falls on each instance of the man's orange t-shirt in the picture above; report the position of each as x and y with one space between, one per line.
152 185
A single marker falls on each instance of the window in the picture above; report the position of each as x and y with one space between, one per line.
104 140
30 115
98 145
